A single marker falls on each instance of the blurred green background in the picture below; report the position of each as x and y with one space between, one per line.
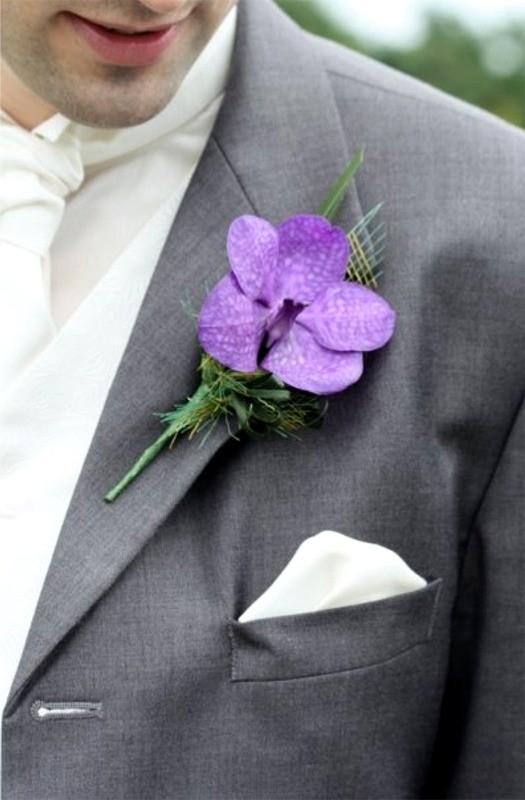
486 69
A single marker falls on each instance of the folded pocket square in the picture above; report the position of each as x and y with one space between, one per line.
331 570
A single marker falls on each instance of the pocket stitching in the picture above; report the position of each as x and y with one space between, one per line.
434 610
315 675
234 651
233 654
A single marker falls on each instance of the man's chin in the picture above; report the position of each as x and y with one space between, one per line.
111 114
112 118
116 100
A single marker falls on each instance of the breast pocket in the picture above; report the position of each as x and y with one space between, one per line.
336 640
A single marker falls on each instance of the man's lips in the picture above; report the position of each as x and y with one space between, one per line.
124 45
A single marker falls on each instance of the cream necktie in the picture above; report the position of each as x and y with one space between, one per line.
36 175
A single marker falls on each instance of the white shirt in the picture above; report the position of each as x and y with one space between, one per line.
101 262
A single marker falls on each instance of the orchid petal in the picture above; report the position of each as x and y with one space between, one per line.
347 316
312 254
300 362
252 247
230 327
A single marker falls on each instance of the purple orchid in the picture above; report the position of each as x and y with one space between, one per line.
285 306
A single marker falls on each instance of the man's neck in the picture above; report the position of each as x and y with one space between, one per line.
19 102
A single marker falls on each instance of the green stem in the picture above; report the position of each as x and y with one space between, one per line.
141 463
177 426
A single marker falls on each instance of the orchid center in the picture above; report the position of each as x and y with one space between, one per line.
281 320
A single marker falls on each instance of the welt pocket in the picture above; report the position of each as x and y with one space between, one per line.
335 640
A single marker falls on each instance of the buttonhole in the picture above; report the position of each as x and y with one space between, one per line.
42 710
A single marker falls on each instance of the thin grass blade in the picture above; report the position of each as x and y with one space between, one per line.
331 204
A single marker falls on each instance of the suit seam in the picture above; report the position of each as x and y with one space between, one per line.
233 653
354 185
430 630
233 172
464 545
493 471
463 112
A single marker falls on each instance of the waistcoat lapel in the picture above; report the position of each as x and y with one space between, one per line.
276 149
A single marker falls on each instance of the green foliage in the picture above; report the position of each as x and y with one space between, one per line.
487 70
332 202
257 403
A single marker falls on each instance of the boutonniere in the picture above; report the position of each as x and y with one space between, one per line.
285 328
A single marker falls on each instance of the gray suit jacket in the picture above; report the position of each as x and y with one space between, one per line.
413 697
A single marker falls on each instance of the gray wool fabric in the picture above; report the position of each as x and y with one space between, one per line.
153 688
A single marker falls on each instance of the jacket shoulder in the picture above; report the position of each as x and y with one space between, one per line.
356 78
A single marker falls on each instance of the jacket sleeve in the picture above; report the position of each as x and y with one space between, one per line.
480 747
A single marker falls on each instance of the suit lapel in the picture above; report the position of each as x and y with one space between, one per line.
275 150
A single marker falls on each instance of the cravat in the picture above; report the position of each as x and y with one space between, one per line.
36 175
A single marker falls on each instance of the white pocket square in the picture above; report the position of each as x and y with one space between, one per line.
331 570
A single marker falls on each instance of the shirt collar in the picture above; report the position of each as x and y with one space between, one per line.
203 84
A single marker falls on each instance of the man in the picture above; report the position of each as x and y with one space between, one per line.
137 680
